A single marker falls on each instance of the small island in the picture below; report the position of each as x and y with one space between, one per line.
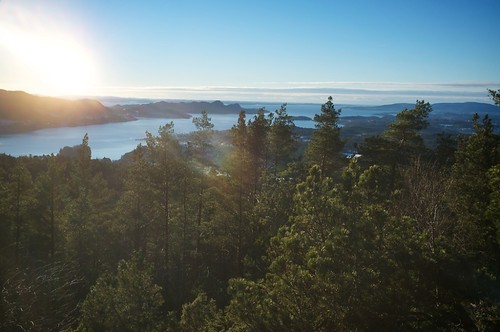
301 118
179 110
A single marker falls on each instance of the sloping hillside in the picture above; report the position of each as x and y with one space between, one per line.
179 110
20 111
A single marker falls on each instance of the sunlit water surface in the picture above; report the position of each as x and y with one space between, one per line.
113 140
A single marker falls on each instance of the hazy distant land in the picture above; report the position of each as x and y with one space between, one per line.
177 110
23 112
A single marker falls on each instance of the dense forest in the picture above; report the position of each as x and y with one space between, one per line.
257 231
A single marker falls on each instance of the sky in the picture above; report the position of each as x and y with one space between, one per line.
360 52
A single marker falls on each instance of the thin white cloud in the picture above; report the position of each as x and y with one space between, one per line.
317 92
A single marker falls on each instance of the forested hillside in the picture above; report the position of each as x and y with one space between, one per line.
20 111
282 235
24 112
178 110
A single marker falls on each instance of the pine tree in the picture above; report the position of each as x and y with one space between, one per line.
126 301
257 145
20 198
282 139
49 193
495 96
165 154
326 146
401 142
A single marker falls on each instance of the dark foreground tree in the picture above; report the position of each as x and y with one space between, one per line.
393 242
164 153
41 298
495 96
282 139
127 301
402 141
325 146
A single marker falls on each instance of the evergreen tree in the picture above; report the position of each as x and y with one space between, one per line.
257 145
475 237
50 194
135 209
495 96
127 301
282 139
326 146
444 152
402 142
87 216
199 315
404 132
316 280
397 242
202 144
239 168
20 200
166 159
475 156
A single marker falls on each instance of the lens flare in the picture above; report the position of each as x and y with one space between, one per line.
57 63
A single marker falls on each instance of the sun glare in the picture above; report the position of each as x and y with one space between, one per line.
57 63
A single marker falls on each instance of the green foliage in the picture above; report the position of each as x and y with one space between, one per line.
199 315
493 209
127 301
273 209
165 155
444 153
282 139
86 215
495 96
202 137
238 163
311 268
402 141
325 146
375 184
401 238
409 122
257 145
475 156
473 200
369 257
49 193
41 298
136 207
19 198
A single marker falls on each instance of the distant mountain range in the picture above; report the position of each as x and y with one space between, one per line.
179 110
467 108
20 111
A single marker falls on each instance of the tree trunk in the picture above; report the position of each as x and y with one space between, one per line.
200 214
18 220
52 226
167 231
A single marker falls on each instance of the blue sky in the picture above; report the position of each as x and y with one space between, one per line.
357 51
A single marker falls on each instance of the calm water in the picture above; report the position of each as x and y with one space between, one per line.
112 140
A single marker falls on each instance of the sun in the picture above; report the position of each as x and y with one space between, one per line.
57 63
64 67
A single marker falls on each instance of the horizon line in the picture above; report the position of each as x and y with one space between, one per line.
300 92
